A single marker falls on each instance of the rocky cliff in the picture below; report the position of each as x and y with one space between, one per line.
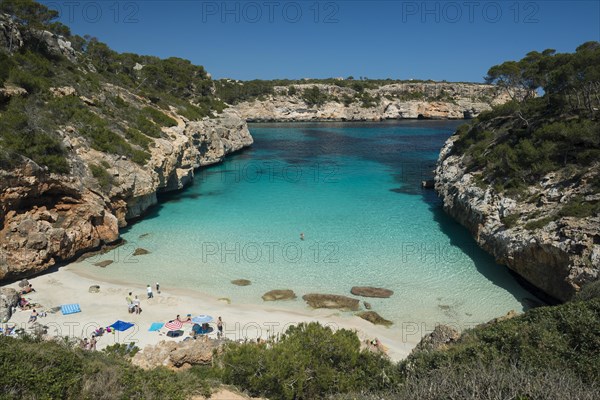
427 100
49 217
556 254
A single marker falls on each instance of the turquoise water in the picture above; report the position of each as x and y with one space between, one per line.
353 191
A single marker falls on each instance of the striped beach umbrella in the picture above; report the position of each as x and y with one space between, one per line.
174 325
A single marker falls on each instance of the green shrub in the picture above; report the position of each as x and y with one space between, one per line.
510 220
544 339
30 82
138 138
159 117
36 369
589 291
147 127
538 224
105 179
314 97
578 207
310 362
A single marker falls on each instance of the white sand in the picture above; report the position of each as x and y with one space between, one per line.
240 321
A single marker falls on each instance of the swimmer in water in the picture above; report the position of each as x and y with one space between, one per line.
302 236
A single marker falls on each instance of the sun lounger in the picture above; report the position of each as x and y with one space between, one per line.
70 309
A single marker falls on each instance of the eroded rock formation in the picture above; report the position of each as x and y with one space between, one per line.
559 256
427 100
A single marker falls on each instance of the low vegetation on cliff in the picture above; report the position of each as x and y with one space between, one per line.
548 352
515 145
116 102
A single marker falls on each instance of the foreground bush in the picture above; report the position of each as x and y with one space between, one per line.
33 369
311 361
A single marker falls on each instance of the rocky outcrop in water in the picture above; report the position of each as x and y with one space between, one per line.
558 255
317 300
368 291
427 100
275 295
374 318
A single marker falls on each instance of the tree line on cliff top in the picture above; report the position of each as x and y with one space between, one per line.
516 144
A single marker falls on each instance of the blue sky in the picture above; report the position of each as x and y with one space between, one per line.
267 39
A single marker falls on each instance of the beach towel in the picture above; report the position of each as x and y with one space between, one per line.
121 325
156 326
70 309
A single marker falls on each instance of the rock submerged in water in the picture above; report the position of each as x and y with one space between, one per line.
103 263
140 252
374 318
241 282
274 295
316 300
368 291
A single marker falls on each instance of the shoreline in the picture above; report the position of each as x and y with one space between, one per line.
241 321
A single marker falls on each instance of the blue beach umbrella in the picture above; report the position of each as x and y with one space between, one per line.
202 319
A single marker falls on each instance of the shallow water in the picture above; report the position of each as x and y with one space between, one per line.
354 191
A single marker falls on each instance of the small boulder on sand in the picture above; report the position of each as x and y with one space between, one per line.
368 291
316 300
274 295
94 289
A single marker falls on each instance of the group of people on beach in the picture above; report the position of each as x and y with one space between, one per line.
133 304
89 345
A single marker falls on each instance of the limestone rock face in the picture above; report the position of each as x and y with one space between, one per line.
559 257
176 355
316 300
45 218
48 218
439 339
397 101
8 299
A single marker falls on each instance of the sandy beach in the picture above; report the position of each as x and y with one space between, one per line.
241 321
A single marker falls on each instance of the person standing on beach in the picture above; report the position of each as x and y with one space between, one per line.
219 328
129 301
149 290
136 305
157 288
